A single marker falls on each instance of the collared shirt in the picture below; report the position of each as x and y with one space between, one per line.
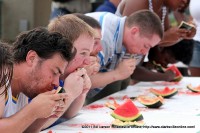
112 36
194 11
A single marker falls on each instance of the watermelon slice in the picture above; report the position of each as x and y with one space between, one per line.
60 90
151 102
113 105
194 89
166 92
178 74
161 69
127 112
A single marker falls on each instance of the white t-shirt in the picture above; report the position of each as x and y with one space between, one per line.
195 12
13 105
118 13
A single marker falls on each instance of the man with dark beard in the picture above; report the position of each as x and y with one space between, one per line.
40 57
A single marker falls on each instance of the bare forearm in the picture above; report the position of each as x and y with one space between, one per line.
102 79
75 107
143 74
165 42
36 126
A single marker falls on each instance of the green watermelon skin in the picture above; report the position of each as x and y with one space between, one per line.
170 95
193 89
178 74
161 69
60 90
127 112
138 117
165 93
147 101
155 105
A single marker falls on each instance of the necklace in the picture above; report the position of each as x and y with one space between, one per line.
164 12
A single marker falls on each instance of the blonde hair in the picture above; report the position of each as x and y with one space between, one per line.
148 22
71 27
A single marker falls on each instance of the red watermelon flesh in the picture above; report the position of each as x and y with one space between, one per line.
194 89
127 112
176 71
127 109
166 92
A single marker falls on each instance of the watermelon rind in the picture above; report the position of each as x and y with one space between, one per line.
178 78
137 117
111 106
169 95
60 90
127 112
155 104
192 89
159 67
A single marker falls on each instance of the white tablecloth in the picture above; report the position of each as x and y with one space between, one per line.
181 113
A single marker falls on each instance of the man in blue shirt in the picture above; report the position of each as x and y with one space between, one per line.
133 35
108 6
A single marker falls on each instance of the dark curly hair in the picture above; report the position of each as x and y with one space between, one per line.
44 43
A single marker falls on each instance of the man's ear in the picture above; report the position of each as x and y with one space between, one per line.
31 57
134 30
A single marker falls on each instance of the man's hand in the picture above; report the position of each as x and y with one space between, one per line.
47 104
170 75
94 66
125 68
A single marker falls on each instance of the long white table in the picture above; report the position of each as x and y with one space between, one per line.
181 113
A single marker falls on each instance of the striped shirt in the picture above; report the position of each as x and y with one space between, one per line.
112 37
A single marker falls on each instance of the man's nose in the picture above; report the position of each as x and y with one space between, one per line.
100 48
56 81
86 61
